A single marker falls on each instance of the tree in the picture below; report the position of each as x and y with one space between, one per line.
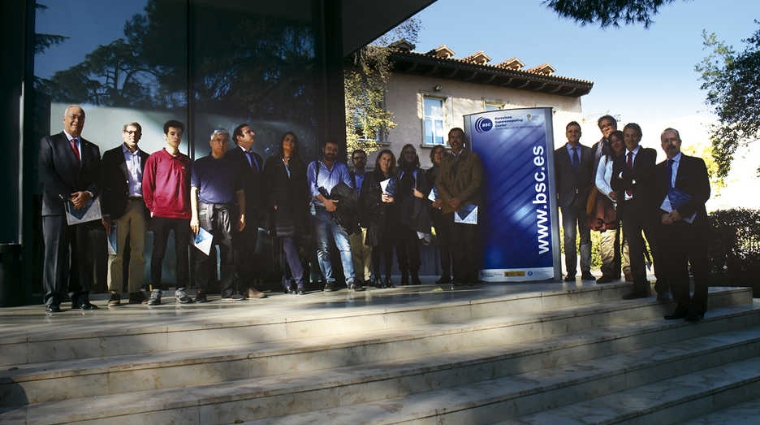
733 90
364 81
607 12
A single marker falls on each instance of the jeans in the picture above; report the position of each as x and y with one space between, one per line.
218 220
324 228
161 227
574 222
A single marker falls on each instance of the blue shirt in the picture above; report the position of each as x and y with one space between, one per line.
217 180
328 178
359 179
134 166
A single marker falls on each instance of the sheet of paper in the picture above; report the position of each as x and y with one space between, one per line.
112 240
467 214
90 212
203 241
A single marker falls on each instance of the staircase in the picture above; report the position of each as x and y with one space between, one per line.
508 354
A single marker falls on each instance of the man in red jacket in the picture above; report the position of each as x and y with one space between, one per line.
166 191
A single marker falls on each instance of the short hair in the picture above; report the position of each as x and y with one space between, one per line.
605 117
416 162
459 129
575 123
173 124
392 170
435 148
358 151
219 131
133 124
65 111
238 132
673 130
634 126
330 141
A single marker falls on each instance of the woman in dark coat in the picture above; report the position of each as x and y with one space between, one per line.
440 221
288 202
378 214
414 214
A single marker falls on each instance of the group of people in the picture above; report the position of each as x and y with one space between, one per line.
366 215
617 184
232 192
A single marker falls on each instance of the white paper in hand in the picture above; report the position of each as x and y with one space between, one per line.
203 240
384 185
90 212
467 214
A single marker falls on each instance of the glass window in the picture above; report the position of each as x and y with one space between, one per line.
433 121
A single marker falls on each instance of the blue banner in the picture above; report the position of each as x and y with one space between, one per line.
519 219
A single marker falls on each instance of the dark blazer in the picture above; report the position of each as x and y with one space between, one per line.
691 178
115 183
573 186
253 179
289 194
639 179
61 174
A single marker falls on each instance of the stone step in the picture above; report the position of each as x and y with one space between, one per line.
420 377
51 381
141 330
747 413
168 328
670 401
642 387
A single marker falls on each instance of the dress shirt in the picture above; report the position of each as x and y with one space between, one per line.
251 159
604 175
78 142
134 176
676 160
633 162
327 178
359 178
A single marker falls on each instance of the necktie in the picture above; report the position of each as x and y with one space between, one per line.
629 164
76 151
576 159
670 173
252 160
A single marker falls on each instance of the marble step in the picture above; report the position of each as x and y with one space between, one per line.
642 387
577 355
747 413
169 327
51 381
670 401
287 318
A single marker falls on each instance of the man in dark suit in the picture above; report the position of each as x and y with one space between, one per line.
69 167
681 189
123 205
632 176
244 242
573 170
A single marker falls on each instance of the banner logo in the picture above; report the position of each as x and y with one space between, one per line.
483 124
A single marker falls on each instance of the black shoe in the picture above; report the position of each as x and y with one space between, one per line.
635 294
86 305
694 317
53 308
570 278
664 296
587 276
355 286
389 283
181 297
201 297
605 279
330 287
443 279
300 290
115 299
137 297
677 314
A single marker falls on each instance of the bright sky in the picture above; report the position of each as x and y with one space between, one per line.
641 75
